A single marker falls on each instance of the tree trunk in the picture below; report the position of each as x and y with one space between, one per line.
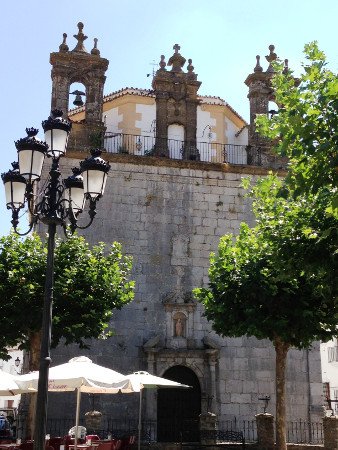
34 358
281 354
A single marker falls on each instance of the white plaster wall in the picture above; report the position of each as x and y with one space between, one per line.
204 121
204 134
148 117
236 155
230 130
242 138
112 118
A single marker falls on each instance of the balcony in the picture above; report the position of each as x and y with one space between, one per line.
138 145
332 353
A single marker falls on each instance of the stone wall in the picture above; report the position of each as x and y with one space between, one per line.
169 215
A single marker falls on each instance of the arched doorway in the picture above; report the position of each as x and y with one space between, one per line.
178 410
175 140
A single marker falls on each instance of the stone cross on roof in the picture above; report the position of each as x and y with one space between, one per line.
177 60
80 39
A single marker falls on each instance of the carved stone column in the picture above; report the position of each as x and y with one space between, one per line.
161 145
149 395
208 428
213 355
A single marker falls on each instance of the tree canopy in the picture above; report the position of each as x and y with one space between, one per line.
306 126
277 280
89 283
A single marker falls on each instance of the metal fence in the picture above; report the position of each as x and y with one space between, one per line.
304 432
116 427
139 145
247 427
298 432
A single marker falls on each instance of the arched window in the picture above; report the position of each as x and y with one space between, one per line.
77 95
176 136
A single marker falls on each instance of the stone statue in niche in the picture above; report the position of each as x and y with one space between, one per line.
179 325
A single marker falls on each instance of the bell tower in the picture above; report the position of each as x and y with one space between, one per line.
176 104
260 93
78 65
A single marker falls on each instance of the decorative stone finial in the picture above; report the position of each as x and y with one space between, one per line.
190 69
258 67
95 50
271 57
80 39
177 60
286 66
162 63
64 47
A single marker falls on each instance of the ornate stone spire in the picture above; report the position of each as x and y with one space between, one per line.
64 47
177 60
271 57
258 67
95 50
80 39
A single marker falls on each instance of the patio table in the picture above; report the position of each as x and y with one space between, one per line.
8 446
91 446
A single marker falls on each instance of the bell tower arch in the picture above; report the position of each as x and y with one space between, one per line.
78 65
176 104
260 93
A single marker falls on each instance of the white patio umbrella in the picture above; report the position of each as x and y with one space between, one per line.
82 375
8 386
149 381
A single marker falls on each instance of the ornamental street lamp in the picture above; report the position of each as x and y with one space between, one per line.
62 201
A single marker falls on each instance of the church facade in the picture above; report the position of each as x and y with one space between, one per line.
174 189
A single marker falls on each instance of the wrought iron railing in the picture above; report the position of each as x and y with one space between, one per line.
298 432
304 432
247 427
138 145
109 426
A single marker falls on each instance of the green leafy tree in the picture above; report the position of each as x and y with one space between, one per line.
306 126
89 283
277 280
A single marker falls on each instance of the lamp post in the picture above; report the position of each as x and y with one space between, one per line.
62 201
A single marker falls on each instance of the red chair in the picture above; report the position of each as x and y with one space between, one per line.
104 445
67 441
92 437
116 444
128 442
26 445
55 442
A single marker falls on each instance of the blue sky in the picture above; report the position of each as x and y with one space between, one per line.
222 37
